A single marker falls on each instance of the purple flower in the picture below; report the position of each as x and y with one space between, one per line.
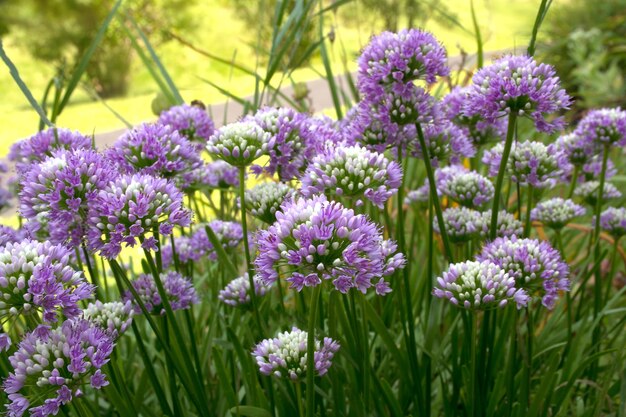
179 290
263 200
239 143
468 188
237 292
191 121
419 196
42 144
613 221
603 127
131 209
576 148
455 107
461 224
536 266
286 355
529 164
557 212
445 142
51 366
588 191
507 225
37 278
479 286
114 317
212 175
402 57
352 171
155 149
61 186
315 240
520 85
5 342
10 235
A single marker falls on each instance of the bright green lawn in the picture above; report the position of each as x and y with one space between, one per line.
505 23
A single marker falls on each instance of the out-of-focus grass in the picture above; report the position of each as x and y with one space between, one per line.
504 24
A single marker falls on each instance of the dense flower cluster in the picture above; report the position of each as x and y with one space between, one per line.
132 208
461 224
286 355
190 121
114 317
10 235
43 144
179 290
530 163
51 366
603 127
263 200
316 240
468 188
577 150
239 143
237 292
536 266
479 286
588 191
352 171
37 278
418 196
445 142
613 221
507 225
518 84
212 175
557 212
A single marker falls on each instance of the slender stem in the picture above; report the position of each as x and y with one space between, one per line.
541 14
559 244
529 207
572 186
473 376
299 399
310 352
93 274
529 349
512 362
510 133
433 191
609 281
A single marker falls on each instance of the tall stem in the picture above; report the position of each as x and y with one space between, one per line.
310 352
473 376
433 192
559 244
510 133
529 207
572 186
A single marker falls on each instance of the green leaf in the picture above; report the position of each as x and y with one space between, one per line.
249 411
222 257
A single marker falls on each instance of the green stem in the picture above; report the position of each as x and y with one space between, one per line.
510 133
299 399
93 274
310 351
609 282
512 362
572 186
433 191
529 207
473 376
559 244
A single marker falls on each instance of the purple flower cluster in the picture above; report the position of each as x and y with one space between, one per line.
42 144
237 292
418 196
588 191
536 266
114 317
577 150
352 171
37 278
286 355
507 225
462 224
191 121
603 127
468 188
557 212
155 149
315 240
520 85
445 142
240 143
212 175
613 221
479 285
179 290
263 200
132 208
10 235
51 366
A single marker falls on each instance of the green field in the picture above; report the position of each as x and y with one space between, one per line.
504 24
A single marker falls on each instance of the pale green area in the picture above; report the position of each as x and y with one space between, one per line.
505 24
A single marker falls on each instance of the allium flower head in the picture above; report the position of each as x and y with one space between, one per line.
5 342
62 186
520 85
114 317
239 143
286 356
507 225
10 235
212 175
445 142
5 198
468 188
575 147
237 292
130 209
603 127
43 144
155 149
263 200
37 278
461 224
418 196
529 164
352 171
613 221
455 107
479 286
588 191
401 57
536 266
179 290
51 366
315 240
192 122
556 212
